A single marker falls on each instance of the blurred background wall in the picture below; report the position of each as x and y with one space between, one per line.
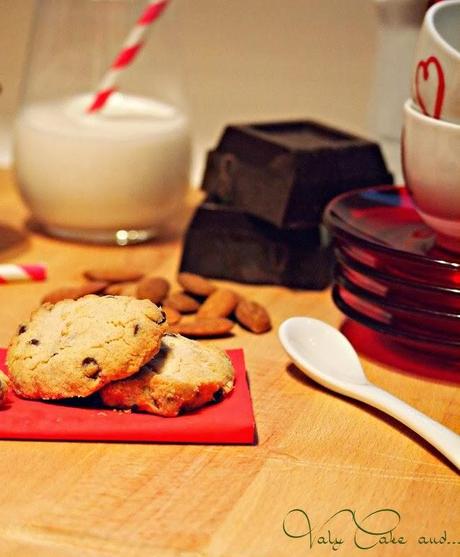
244 60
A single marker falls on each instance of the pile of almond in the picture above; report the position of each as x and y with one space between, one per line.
209 311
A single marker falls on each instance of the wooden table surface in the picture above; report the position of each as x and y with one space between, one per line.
317 453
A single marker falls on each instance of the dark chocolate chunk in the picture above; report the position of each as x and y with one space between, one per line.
34 341
22 329
136 329
286 173
225 243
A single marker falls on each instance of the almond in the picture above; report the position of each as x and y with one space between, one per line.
203 327
253 316
182 303
152 288
172 315
220 303
113 274
121 289
74 292
195 284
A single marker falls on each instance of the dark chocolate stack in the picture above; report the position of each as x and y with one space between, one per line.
267 186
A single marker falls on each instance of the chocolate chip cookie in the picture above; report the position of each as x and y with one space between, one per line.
4 385
74 347
183 376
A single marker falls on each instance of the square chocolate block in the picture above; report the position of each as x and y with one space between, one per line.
222 242
286 173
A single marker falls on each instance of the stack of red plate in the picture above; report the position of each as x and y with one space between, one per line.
390 275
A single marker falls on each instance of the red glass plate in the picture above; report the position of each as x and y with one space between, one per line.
396 290
435 324
380 228
372 317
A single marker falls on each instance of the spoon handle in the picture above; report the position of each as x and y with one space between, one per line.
445 440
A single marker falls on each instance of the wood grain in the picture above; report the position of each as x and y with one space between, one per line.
316 451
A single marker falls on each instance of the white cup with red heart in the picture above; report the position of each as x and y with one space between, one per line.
436 73
431 168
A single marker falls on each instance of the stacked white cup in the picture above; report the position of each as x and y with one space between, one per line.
431 132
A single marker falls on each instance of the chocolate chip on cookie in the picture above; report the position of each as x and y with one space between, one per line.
91 367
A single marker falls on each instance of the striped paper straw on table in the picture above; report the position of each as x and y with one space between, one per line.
12 272
130 48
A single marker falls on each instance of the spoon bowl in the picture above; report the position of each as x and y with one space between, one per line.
326 356
313 340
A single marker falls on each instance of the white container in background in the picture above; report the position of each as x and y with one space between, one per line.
398 23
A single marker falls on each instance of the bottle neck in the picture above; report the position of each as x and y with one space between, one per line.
400 13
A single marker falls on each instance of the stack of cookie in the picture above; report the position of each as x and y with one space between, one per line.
267 186
117 346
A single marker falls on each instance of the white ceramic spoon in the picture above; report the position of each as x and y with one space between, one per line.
326 356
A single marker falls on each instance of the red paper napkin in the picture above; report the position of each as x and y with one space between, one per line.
230 421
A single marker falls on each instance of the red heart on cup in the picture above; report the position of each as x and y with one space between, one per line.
423 69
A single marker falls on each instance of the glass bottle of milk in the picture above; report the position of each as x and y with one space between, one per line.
119 174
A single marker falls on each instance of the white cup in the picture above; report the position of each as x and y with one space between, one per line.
431 168
436 73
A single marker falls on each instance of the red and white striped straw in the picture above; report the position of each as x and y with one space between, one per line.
10 272
133 43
